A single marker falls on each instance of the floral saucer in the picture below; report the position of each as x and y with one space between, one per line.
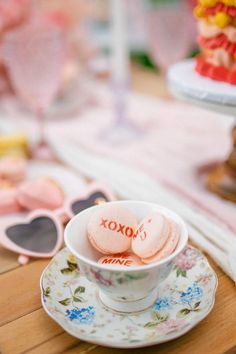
183 300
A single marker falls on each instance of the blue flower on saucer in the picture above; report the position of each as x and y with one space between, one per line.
192 293
83 315
163 303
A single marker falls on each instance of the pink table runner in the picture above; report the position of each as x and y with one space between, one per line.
177 138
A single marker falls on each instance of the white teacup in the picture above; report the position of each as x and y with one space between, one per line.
122 289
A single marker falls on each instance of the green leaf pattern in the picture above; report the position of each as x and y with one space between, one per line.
75 295
72 267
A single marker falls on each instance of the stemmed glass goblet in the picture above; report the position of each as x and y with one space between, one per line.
171 32
35 55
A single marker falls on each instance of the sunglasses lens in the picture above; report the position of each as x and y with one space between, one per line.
94 199
40 235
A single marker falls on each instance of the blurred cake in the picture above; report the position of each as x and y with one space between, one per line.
217 39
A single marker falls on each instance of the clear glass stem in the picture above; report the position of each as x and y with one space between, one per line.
120 104
41 126
43 150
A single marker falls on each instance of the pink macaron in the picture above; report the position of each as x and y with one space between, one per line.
126 259
8 201
111 228
5 184
151 235
13 168
40 194
169 246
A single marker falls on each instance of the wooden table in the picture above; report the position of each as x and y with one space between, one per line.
25 327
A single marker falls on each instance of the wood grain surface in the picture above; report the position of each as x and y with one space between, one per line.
26 328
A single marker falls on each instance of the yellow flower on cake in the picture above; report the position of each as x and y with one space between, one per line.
222 19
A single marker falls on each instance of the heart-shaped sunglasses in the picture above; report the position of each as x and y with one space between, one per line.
40 233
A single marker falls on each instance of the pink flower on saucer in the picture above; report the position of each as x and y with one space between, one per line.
185 263
186 260
171 326
203 279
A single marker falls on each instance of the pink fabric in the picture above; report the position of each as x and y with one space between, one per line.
177 139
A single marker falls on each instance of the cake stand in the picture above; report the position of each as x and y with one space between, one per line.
186 84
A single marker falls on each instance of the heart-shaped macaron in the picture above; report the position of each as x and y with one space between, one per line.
38 235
